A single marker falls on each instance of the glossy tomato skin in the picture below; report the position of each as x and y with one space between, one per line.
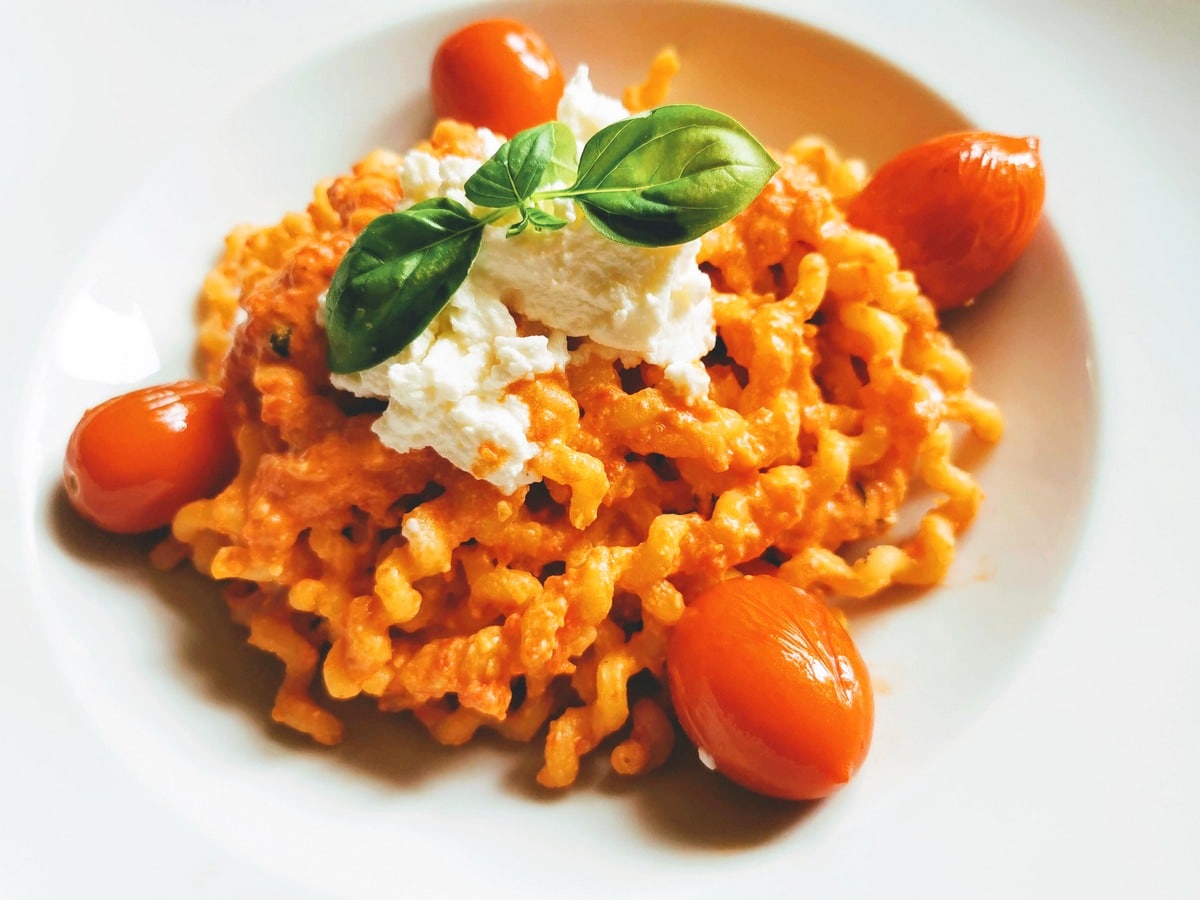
959 209
497 74
134 460
769 686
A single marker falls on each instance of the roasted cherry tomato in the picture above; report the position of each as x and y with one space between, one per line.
771 689
134 460
498 74
959 209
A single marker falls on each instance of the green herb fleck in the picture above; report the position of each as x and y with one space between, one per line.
281 342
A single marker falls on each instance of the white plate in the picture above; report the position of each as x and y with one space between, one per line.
140 715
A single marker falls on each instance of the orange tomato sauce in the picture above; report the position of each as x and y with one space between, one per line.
546 614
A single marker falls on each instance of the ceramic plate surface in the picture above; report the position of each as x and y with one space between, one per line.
165 706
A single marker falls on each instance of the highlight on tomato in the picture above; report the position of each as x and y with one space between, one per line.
769 686
135 460
498 74
959 210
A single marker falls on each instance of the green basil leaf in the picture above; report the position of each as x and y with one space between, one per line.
544 221
517 227
564 158
395 278
532 159
669 175
538 218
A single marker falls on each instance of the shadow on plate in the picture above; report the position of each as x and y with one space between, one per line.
681 804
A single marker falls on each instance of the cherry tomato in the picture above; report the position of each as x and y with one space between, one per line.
498 74
134 460
959 209
771 689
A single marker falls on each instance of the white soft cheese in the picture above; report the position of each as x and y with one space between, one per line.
449 389
639 304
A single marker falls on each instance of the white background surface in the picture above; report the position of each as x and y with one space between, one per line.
1079 780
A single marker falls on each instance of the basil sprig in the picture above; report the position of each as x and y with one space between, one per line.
656 179
535 158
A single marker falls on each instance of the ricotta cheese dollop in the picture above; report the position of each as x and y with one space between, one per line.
449 389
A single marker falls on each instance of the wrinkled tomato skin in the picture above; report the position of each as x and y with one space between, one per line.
497 74
766 682
133 461
958 209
